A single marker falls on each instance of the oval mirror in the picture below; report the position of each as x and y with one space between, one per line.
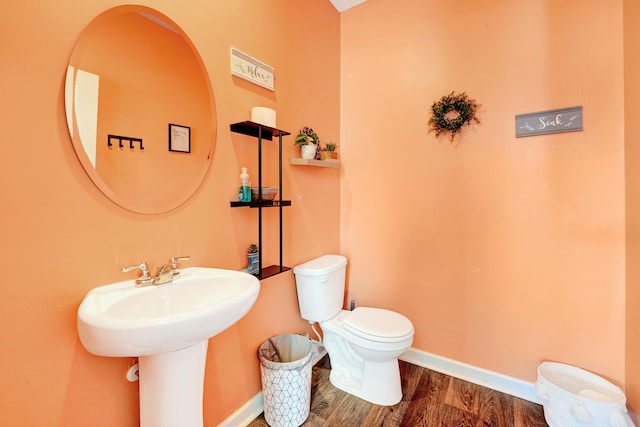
140 109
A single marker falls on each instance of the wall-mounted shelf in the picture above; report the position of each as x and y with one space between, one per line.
272 270
257 130
298 161
262 132
261 204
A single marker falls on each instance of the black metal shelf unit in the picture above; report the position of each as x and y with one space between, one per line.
262 132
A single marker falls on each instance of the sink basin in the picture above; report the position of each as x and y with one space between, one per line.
167 327
123 320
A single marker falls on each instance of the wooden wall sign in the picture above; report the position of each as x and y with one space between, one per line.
550 121
252 70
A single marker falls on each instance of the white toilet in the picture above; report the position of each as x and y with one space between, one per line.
363 344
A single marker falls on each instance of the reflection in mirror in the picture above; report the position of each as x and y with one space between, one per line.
132 73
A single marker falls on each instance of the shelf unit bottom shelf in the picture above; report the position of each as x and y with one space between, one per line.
272 270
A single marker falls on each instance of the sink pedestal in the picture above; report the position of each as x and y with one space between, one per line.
171 387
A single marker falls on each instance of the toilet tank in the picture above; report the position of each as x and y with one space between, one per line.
320 286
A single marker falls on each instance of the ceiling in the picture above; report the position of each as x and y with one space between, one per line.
343 5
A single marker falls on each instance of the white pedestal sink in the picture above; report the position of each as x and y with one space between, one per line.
167 327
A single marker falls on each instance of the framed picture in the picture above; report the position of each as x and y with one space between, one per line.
179 138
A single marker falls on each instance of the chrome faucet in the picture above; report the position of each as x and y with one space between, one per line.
165 274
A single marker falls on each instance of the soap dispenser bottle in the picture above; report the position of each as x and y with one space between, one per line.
245 187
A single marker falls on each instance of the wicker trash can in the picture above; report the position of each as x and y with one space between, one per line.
573 397
285 370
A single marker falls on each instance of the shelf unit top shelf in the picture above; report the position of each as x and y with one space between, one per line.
253 129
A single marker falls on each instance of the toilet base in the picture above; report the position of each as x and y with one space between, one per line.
380 383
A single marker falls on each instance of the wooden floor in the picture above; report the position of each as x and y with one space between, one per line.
430 399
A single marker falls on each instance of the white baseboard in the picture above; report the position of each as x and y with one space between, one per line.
247 413
493 380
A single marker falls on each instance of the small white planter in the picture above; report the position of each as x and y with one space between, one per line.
308 151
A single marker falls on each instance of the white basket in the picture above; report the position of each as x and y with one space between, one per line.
573 397
285 370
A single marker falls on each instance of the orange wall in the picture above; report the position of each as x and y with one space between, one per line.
503 252
61 236
632 172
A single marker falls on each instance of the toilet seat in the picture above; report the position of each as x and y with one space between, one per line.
376 324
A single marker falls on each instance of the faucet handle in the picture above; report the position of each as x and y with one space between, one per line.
175 261
144 270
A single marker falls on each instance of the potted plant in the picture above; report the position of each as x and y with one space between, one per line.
253 254
330 150
308 141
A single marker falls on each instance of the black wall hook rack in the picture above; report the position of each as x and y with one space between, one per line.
120 138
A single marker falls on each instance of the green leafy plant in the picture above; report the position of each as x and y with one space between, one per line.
252 249
451 113
331 147
307 136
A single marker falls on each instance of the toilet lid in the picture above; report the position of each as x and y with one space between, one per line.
378 323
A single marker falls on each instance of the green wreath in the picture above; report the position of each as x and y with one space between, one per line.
452 112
